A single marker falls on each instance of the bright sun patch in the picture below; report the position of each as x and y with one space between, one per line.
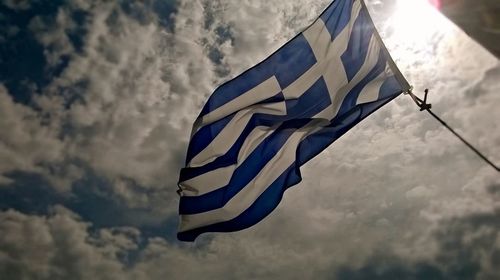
416 22
415 19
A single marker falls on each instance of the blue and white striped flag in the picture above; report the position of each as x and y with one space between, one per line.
256 130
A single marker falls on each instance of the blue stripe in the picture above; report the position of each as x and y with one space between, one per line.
307 149
314 144
313 101
352 97
357 49
203 137
292 61
337 16
389 85
264 205
287 64
275 99
230 157
252 165
309 104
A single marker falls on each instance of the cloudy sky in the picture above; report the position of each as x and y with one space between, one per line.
96 103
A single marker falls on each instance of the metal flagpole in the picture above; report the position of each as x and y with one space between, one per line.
424 106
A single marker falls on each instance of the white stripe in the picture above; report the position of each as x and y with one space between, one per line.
341 92
220 177
247 196
319 38
207 182
371 91
228 136
258 135
334 52
263 91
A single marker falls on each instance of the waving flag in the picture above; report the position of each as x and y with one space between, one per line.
256 130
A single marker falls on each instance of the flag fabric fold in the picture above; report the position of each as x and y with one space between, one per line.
255 131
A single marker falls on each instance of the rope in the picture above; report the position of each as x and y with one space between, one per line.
424 106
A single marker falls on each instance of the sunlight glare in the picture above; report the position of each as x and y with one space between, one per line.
416 30
417 20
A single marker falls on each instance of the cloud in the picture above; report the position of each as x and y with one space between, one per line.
123 106
18 4
125 102
61 244
122 98
59 247
420 192
467 248
53 34
113 103
26 142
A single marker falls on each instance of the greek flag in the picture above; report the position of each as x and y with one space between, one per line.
255 131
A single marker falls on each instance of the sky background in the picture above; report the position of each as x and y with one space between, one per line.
97 99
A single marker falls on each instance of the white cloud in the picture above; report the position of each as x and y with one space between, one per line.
256 28
138 87
386 185
62 245
52 33
26 143
58 247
